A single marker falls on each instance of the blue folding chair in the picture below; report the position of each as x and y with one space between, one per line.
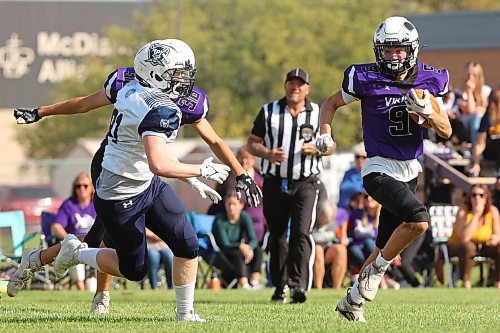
15 222
47 219
209 251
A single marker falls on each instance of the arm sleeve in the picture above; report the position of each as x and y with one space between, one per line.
351 85
117 80
110 86
161 121
259 125
193 107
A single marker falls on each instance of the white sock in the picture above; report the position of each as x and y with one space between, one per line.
355 295
184 297
381 262
89 257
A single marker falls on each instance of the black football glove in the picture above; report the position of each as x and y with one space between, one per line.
252 192
26 116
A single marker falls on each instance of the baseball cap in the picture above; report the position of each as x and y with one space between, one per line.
297 72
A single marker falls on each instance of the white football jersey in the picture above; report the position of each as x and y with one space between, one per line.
139 111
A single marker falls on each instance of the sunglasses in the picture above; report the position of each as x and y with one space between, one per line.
481 195
77 186
360 157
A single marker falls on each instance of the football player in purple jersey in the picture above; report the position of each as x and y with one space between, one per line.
194 109
393 144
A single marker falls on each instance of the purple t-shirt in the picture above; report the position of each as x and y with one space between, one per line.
75 219
388 130
257 213
342 216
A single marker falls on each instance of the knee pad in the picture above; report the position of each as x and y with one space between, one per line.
187 249
186 243
422 216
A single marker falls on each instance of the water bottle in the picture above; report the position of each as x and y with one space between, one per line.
215 282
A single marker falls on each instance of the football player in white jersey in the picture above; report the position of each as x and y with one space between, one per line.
159 120
194 110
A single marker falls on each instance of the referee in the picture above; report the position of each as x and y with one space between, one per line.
283 135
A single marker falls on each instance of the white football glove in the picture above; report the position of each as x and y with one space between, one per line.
324 143
214 171
203 190
419 106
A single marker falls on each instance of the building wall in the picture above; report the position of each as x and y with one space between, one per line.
455 60
42 43
12 156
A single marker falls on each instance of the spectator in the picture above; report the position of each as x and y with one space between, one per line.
283 135
158 253
488 137
247 161
229 229
331 246
459 131
473 99
76 216
362 229
475 232
352 182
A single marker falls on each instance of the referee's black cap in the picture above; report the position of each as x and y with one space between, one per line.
297 72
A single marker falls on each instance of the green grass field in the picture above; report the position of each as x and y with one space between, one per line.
405 310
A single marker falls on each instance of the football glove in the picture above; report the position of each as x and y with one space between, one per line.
26 116
214 171
244 183
204 190
324 143
419 106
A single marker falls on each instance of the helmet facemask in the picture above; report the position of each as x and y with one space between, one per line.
396 32
181 82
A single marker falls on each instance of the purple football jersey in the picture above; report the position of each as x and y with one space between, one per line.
193 107
388 131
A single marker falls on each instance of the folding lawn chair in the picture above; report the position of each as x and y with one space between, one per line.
209 253
12 251
442 219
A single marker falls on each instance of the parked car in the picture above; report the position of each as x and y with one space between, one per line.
32 199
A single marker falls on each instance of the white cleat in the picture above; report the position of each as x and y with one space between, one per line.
100 303
369 281
67 256
190 316
30 264
350 310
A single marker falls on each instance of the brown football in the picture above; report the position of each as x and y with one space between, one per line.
435 107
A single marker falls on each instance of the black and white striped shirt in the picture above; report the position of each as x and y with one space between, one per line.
276 126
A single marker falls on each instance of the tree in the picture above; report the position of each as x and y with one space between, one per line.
243 50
